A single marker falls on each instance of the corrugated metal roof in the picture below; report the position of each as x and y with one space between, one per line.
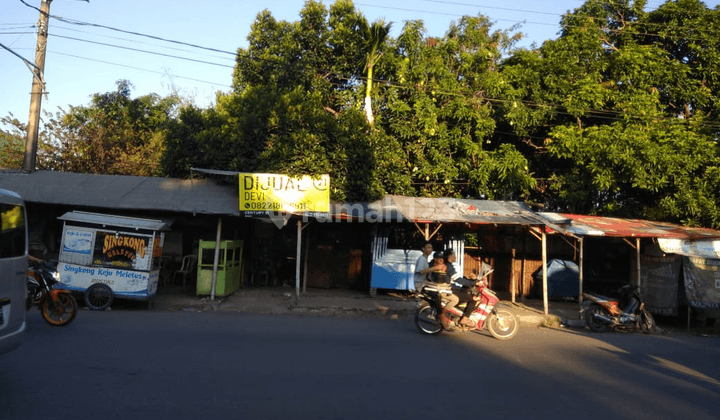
454 210
114 221
117 192
123 192
581 225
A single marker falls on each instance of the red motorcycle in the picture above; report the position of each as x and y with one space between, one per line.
629 312
501 323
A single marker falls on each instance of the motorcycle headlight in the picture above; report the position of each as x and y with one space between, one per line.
56 276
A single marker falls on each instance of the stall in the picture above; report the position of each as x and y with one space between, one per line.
228 272
107 256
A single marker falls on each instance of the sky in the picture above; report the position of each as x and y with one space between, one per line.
85 59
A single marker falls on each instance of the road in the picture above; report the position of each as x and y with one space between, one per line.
182 365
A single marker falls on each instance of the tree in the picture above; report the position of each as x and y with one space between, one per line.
116 134
12 151
620 118
12 143
374 37
438 108
293 109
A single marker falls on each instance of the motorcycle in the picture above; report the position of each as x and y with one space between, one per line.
629 312
58 307
501 323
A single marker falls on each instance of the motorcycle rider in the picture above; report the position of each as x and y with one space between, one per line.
423 268
440 276
464 291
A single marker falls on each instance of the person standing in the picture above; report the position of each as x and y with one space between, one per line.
422 266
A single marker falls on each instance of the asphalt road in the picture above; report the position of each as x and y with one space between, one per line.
182 365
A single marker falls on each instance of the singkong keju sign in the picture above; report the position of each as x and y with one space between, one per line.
264 193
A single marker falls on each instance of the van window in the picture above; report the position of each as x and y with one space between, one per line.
12 231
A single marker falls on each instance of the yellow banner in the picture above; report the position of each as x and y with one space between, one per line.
279 193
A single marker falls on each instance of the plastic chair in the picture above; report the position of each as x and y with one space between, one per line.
187 267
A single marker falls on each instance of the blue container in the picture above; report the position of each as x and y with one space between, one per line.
563 279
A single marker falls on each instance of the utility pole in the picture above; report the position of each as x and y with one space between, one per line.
38 86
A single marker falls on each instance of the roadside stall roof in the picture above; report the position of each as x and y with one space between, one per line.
455 210
119 192
105 220
580 225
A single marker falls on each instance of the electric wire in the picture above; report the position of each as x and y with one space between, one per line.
141 69
81 23
609 114
142 51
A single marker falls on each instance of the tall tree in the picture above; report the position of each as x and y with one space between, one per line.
374 37
293 108
439 107
619 116
116 134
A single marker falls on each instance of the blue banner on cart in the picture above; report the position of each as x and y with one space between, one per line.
78 241
77 277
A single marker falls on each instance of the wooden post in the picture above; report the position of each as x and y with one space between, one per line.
297 259
582 260
513 280
637 256
218 236
305 265
544 265
522 270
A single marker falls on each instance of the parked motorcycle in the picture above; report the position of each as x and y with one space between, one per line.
602 313
501 323
58 307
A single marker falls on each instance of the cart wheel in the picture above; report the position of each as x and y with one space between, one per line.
98 297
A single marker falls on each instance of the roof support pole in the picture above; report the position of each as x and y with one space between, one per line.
582 260
636 245
217 258
544 264
637 256
297 259
543 237
426 232
305 262
513 281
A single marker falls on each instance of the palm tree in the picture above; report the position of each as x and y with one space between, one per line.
374 37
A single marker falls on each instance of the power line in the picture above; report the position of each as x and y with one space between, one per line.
139 68
142 51
142 43
607 114
402 9
81 23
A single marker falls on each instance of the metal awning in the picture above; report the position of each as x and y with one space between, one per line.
453 210
105 221
123 193
581 225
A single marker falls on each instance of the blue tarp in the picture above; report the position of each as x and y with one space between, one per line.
563 279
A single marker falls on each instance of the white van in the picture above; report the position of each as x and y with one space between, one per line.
13 269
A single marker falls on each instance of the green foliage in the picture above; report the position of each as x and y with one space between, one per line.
623 110
618 116
12 151
116 134
441 114
12 144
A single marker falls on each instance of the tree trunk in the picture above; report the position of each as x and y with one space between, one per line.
368 102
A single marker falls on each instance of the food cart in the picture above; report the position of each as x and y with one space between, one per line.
105 256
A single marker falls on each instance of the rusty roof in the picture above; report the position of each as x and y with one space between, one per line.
581 225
